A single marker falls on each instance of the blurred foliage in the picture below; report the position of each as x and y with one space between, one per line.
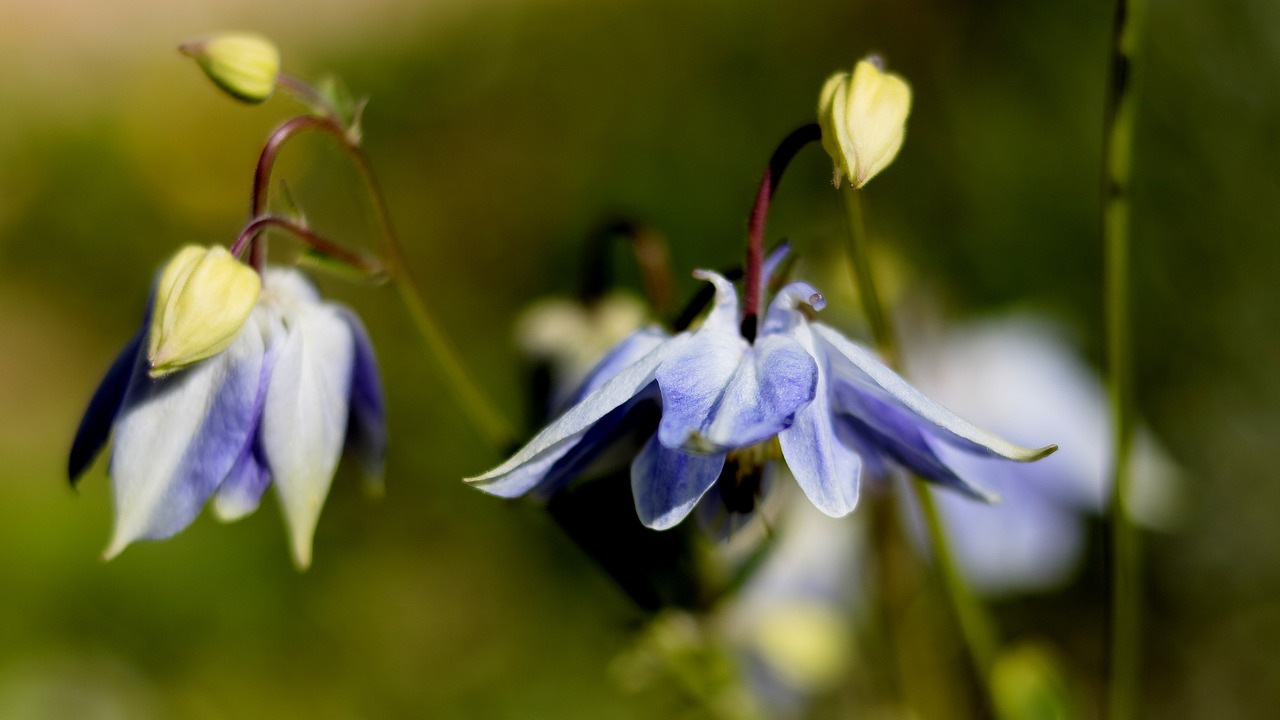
503 131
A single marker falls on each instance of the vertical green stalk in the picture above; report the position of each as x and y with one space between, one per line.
975 626
478 407
473 400
882 332
1123 551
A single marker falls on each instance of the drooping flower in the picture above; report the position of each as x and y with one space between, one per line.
863 116
298 383
801 393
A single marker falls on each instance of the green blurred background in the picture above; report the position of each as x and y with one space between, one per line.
503 131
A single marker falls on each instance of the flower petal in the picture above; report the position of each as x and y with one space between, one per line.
95 426
178 436
304 420
668 483
241 491
718 395
824 466
367 425
856 367
902 438
511 478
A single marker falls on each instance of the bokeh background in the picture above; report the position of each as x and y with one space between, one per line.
503 131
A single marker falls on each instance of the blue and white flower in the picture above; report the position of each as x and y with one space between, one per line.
297 385
800 392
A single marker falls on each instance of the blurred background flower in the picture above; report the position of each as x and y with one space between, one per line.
502 133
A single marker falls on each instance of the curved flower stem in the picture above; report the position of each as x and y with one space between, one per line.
478 407
1123 631
975 627
308 236
778 163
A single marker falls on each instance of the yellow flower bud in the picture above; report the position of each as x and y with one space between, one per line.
244 65
863 118
204 297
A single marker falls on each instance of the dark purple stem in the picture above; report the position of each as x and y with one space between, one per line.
267 161
778 163
251 232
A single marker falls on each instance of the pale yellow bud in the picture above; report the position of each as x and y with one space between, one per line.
244 65
863 118
204 297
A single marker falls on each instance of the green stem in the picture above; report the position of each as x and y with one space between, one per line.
1123 628
479 408
482 411
860 256
975 627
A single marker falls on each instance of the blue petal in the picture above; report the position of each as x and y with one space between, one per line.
178 436
825 466
855 367
95 426
367 425
241 491
901 436
528 466
667 483
719 395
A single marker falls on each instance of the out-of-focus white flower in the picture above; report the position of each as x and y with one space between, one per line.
1017 375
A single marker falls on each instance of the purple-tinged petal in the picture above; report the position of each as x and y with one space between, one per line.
178 436
719 393
629 350
901 437
511 478
304 420
824 466
856 367
367 425
668 483
241 491
556 467
771 263
710 406
103 407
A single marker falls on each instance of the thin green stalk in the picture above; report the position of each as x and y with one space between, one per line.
478 407
1123 630
859 254
975 627
482 411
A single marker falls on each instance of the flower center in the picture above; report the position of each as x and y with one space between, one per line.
741 482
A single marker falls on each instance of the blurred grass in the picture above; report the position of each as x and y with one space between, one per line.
503 132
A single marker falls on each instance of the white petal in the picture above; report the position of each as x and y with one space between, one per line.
304 421
178 436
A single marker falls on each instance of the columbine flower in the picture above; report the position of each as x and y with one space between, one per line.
800 392
276 407
863 118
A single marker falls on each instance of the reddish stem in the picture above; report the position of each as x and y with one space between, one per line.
778 163
251 232
267 161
